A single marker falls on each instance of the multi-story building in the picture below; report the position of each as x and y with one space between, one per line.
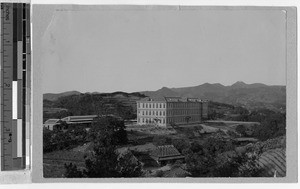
177 110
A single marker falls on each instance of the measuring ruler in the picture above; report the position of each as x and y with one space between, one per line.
15 85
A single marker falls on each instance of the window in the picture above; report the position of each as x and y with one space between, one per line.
149 112
160 113
149 105
146 105
156 112
159 105
143 112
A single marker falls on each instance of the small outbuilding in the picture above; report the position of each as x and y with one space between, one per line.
166 154
53 124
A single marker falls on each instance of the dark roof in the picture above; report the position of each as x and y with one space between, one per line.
171 99
181 99
165 151
154 99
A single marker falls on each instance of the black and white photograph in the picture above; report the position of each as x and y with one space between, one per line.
162 91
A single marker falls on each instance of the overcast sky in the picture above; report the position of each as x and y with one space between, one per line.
137 50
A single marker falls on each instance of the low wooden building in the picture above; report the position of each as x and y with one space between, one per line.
166 154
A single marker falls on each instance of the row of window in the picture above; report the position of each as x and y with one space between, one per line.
169 112
183 112
185 119
152 120
169 105
152 105
184 105
148 112
169 120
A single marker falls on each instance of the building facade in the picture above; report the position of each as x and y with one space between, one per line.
177 110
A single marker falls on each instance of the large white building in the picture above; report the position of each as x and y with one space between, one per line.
169 110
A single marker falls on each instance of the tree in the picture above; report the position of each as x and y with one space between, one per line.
72 171
104 161
47 141
217 145
198 162
159 140
128 166
217 158
241 129
181 144
111 125
235 164
272 126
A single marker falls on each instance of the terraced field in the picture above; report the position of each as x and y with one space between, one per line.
274 162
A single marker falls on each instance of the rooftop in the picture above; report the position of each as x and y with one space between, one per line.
165 151
52 121
171 99
79 118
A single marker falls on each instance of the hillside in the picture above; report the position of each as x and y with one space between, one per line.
75 103
251 96
55 96
118 94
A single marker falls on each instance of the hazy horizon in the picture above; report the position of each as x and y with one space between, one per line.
147 49
155 89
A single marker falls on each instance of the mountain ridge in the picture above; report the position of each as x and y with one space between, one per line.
255 95
249 95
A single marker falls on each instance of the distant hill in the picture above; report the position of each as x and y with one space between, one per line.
255 95
118 94
161 93
55 96
75 103
127 99
251 96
